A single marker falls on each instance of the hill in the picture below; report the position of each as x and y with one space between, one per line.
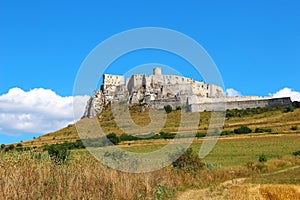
271 120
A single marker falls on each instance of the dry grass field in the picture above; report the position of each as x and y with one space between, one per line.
33 175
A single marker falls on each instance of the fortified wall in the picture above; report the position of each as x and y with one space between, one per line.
158 90
240 104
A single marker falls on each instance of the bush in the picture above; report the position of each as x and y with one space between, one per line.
198 135
296 153
289 109
168 108
58 153
10 148
242 130
189 162
113 138
294 128
178 108
2 146
262 158
166 135
263 130
227 133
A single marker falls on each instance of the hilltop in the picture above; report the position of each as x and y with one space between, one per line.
266 120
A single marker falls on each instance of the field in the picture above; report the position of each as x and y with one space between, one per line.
33 174
234 151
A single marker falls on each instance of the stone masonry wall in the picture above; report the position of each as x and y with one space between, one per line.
280 102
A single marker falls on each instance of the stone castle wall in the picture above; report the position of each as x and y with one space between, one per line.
217 106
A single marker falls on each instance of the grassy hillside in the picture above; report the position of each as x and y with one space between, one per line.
34 174
279 120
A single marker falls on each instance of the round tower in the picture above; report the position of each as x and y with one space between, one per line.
157 71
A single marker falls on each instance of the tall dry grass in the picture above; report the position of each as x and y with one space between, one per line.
28 175
32 175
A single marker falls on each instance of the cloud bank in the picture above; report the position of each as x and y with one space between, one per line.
36 111
287 92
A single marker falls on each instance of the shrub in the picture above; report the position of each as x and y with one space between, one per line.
189 162
242 130
296 153
262 158
178 108
227 133
113 138
289 109
198 135
263 130
166 135
2 146
58 153
294 128
10 147
125 137
168 108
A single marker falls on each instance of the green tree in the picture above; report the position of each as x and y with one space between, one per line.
168 108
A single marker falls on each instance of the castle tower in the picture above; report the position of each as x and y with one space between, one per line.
157 71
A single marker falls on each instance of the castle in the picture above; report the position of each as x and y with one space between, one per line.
158 90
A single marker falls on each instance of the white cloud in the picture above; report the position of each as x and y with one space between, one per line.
232 92
287 92
37 111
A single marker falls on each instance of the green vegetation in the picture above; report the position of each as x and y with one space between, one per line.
58 153
263 130
199 135
262 158
242 130
248 111
296 153
237 151
294 128
113 138
227 133
168 108
289 109
188 162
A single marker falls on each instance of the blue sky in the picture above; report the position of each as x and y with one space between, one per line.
255 44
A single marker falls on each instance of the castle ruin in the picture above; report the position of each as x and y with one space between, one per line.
158 90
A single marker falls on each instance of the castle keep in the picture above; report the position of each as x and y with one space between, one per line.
158 90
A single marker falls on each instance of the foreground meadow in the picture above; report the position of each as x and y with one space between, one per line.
33 175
